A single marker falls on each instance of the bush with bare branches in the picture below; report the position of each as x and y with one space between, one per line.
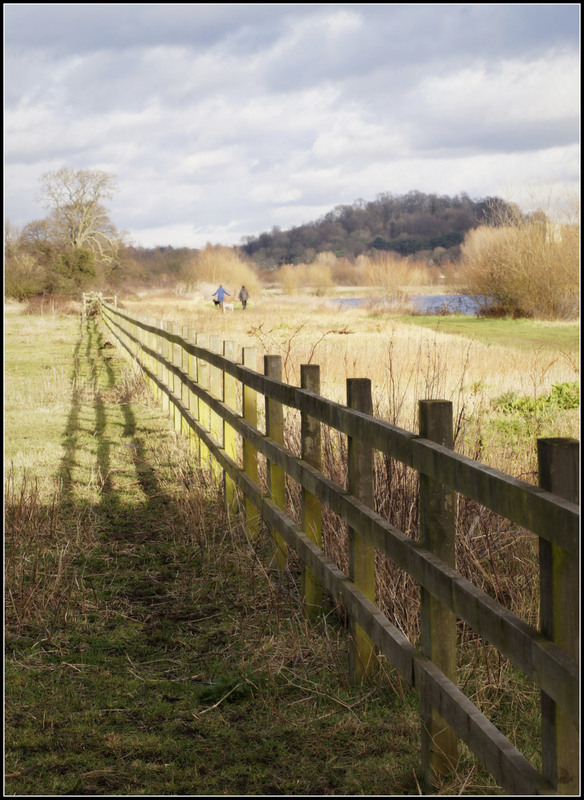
525 265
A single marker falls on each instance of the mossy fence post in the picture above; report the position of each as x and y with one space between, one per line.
229 434
559 614
165 351
437 623
159 367
184 389
310 435
361 552
174 358
204 410
193 400
276 476
216 389
249 358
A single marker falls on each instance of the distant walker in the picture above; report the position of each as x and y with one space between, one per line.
221 294
243 296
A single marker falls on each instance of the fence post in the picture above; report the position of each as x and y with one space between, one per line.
177 379
184 391
559 614
172 378
140 334
151 360
437 623
229 435
193 400
275 431
159 369
165 350
216 389
311 505
361 552
249 358
204 410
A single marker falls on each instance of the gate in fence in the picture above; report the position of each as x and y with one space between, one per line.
197 386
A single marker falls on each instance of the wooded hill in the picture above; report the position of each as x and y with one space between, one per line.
406 224
430 226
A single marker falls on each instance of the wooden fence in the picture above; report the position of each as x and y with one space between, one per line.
197 386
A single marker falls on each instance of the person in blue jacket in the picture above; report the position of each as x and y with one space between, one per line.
221 294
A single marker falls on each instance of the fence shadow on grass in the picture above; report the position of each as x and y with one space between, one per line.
94 419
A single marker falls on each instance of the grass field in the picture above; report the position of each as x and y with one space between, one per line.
150 648
475 363
522 334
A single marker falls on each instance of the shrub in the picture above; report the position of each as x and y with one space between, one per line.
563 396
390 273
23 277
317 277
525 265
218 264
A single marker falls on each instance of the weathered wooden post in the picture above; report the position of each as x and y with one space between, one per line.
559 614
138 336
216 389
184 391
165 372
437 623
204 410
177 381
149 360
172 378
159 352
311 505
229 434
275 431
361 553
193 400
125 335
250 454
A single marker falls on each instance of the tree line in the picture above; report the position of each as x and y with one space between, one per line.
428 225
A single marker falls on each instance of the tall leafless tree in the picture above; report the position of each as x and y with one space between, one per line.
78 217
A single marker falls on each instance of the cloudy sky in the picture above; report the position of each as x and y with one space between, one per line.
224 120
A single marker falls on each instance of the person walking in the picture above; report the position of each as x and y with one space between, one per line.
243 296
221 295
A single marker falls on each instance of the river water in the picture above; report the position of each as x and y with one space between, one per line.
425 303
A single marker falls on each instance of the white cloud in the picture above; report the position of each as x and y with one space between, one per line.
224 120
517 91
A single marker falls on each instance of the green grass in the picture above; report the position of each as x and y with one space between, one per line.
519 333
149 647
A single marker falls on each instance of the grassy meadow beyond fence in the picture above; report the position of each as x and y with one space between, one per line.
499 373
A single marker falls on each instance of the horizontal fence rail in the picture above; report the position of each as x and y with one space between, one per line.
192 383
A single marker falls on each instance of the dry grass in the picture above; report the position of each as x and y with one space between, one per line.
405 363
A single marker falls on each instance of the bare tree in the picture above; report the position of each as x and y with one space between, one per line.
78 217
